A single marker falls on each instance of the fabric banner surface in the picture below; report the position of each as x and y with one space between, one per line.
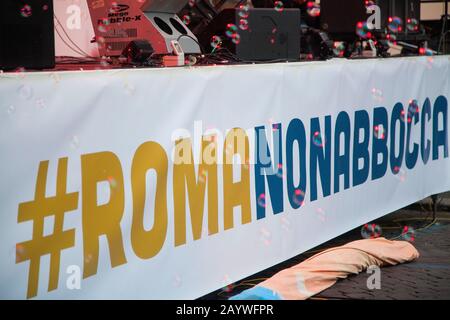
172 183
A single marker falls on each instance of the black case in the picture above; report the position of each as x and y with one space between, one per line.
27 37
271 35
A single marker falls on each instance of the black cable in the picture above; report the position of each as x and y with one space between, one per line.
68 45
82 52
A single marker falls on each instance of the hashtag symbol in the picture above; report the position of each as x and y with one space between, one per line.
36 211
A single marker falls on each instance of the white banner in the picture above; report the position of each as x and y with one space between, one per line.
101 196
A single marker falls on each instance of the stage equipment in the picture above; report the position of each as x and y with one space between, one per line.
27 34
266 34
117 23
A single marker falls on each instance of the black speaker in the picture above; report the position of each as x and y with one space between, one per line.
407 10
266 34
27 34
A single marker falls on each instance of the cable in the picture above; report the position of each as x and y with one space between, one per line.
68 45
81 51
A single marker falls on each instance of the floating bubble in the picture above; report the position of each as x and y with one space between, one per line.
272 39
262 200
21 71
40 103
285 224
75 142
25 92
243 24
313 9
88 258
216 42
11 109
44 7
339 49
392 39
203 176
377 94
236 39
177 281
280 170
279 6
379 132
408 234
395 24
321 214
425 52
265 236
318 140
104 63
400 173
413 109
26 11
101 42
228 287
298 197
363 31
112 182
371 231
231 30
412 24
186 19
129 88
244 11
102 24
20 251
55 77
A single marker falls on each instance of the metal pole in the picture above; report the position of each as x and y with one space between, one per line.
446 26
434 199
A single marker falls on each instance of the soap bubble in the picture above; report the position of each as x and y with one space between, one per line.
231 30
25 92
216 42
243 24
408 234
244 11
262 200
279 6
313 9
412 24
186 19
298 197
395 24
265 236
26 11
318 140
379 132
338 49
371 231
363 31
236 39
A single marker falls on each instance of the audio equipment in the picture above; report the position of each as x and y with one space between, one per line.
27 34
265 34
